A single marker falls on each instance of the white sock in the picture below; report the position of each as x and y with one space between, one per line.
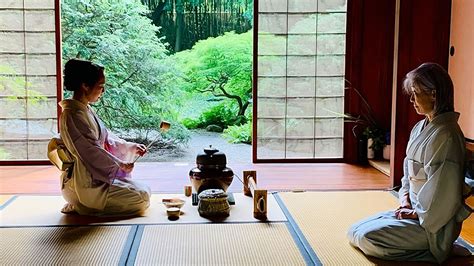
68 208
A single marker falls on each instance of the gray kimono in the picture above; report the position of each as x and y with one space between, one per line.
433 179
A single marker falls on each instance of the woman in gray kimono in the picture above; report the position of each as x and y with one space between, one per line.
431 211
99 182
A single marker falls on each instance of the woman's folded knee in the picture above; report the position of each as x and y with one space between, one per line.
351 233
146 199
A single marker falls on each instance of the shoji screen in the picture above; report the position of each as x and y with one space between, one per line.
28 86
300 79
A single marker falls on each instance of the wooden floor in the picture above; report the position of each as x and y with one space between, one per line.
172 177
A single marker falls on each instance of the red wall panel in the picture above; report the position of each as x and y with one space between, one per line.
369 64
423 37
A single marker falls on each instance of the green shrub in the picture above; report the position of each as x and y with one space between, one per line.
178 133
220 68
239 134
222 115
190 123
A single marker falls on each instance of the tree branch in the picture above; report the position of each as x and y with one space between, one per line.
129 77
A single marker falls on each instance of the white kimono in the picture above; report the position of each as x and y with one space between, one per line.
433 179
96 185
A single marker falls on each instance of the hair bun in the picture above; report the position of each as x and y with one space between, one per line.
77 71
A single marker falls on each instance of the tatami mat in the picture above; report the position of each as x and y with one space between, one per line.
324 218
45 210
218 244
91 245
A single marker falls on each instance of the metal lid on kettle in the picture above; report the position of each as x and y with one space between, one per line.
211 157
210 150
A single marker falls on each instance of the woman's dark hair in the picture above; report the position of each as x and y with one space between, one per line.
77 71
432 77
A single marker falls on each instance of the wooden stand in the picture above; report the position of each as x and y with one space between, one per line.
259 195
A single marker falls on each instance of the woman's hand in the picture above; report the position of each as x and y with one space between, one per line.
126 167
140 149
405 202
405 213
404 206
405 210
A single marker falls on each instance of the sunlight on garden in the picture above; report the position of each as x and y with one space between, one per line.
186 62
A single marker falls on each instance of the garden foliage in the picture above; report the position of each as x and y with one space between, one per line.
145 84
141 87
220 68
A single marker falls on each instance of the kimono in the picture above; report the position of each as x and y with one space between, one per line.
434 180
95 184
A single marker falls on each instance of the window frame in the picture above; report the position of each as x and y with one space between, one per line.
59 91
255 159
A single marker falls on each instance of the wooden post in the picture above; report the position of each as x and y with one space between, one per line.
246 175
260 204
259 195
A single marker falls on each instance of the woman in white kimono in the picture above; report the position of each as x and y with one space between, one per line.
99 183
431 211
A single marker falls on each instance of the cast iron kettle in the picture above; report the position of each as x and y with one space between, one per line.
211 171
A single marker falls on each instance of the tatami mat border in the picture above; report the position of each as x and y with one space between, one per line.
137 239
10 200
305 248
127 247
